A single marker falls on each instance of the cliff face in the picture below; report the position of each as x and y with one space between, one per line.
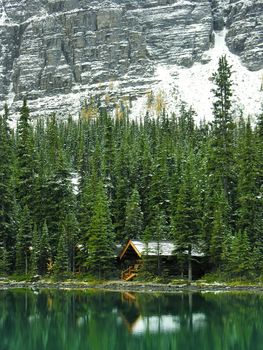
56 50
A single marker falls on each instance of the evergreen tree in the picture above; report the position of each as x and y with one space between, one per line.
134 217
160 180
248 193
35 251
86 199
121 185
221 158
186 225
159 234
4 262
60 200
61 260
72 233
101 241
241 261
220 229
25 159
24 242
44 250
202 183
7 233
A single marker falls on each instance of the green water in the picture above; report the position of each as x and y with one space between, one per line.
77 320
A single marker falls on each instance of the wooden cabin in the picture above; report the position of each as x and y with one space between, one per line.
156 253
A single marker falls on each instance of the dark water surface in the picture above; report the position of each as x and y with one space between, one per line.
76 320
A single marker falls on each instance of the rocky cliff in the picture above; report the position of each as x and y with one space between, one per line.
56 52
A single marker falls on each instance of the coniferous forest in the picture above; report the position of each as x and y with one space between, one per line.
71 189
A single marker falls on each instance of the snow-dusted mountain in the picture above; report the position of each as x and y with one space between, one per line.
59 52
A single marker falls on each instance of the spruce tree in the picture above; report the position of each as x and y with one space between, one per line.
25 159
44 250
186 224
7 232
159 234
221 158
24 242
101 237
134 217
122 188
220 229
72 235
247 191
35 251
61 264
60 200
241 260
4 262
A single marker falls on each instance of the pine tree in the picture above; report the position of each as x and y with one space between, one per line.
7 233
223 93
159 233
101 241
121 185
44 250
4 262
24 242
72 233
221 158
25 159
35 251
85 210
60 200
134 217
220 229
160 180
241 260
186 225
61 260
249 203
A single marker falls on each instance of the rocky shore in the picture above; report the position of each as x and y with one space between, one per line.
120 286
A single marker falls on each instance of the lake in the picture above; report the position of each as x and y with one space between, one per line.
92 320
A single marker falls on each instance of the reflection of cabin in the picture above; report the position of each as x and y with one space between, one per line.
177 312
130 258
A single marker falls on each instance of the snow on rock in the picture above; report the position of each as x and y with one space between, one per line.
194 85
60 52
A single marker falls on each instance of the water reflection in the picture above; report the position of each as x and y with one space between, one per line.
102 320
138 323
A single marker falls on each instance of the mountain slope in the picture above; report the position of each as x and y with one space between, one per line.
59 52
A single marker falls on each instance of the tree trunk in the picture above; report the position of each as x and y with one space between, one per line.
190 273
158 260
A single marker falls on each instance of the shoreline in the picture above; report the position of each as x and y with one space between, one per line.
120 286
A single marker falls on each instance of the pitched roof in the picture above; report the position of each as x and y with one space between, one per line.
152 248
165 248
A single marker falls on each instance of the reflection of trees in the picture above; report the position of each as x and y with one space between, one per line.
97 321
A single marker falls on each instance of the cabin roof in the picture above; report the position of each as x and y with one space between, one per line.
166 248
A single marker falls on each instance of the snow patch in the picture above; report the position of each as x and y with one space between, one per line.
75 179
194 85
4 16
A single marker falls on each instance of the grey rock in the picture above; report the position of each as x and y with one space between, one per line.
50 49
245 36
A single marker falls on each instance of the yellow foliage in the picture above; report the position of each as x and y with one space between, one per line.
107 99
160 103
90 110
119 113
